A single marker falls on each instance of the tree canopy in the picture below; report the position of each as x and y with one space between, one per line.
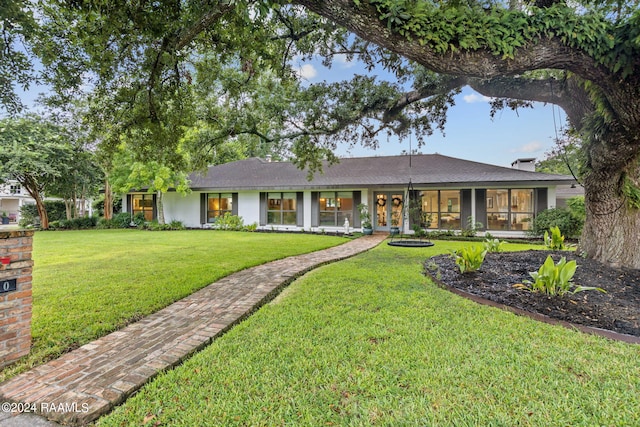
158 67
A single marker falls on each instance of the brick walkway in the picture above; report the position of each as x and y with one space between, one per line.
88 382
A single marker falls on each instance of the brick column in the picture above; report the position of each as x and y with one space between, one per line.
15 295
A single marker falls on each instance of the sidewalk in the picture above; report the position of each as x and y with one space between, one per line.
89 382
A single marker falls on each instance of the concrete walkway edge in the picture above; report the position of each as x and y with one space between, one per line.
90 381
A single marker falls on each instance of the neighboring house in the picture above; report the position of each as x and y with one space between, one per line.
12 197
277 195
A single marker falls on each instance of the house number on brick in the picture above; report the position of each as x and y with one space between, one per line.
7 285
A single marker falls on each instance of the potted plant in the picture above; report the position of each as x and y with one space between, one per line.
365 219
5 218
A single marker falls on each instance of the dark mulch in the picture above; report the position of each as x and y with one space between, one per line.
618 310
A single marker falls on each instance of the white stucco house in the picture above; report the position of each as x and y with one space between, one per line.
278 195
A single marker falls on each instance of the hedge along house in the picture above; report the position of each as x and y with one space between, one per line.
279 196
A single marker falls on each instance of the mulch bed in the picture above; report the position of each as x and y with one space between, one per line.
617 310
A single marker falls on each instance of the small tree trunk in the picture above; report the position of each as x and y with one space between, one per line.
160 207
108 200
611 233
42 211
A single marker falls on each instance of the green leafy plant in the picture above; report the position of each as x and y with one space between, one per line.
469 259
365 216
555 240
555 279
472 228
229 222
493 245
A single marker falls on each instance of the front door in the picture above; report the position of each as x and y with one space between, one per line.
388 210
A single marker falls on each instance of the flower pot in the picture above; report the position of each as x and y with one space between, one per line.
394 231
367 231
5 220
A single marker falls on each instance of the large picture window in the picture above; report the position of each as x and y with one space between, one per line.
218 204
142 203
510 209
282 208
335 207
441 207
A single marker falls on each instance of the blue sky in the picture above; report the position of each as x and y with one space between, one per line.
470 132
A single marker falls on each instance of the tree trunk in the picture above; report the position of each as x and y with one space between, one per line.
42 211
160 207
108 200
611 232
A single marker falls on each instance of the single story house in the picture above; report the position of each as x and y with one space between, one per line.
447 193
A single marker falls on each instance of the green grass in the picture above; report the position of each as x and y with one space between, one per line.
89 283
371 341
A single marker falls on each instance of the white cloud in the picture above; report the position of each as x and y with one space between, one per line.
307 71
530 147
474 97
341 59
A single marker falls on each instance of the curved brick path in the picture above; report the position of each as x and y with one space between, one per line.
88 382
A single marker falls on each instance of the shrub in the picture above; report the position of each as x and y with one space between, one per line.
555 279
568 223
229 222
469 258
555 241
471 229
493 245
251 227
56 211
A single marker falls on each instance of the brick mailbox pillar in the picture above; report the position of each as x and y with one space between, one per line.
15 295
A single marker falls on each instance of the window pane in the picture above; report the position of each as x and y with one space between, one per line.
274 218
521 221
522 200
497 221
274 201
289 218
327 218
289 201
498 201
449 201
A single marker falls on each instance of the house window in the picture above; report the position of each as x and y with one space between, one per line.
15 189
510 209
442 207
335 207
142 203
218 204
282 208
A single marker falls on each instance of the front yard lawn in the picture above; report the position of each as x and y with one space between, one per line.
371 341
89 283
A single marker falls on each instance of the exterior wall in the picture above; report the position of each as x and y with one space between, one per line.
15 305
187 209
182 208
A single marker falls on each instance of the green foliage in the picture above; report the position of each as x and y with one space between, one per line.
631 192
469 258
119 220
156 226
229 222
81 223
493 245
555 279
568 222
555 240
472 228
577 208
365 216
452 27
56 211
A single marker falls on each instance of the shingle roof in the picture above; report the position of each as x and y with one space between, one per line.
425 170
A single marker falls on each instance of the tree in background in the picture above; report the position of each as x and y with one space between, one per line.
35 153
